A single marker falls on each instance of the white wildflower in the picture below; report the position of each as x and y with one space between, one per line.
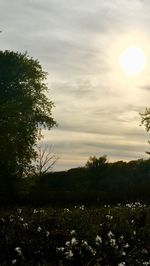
19 211
20 219
72 232
18 250
81 207
60 249
113 242
109 217
126 245
110 234
47 233
35 211
84 243
39 229
98 240
144 251
66 210
69 254
146 263
42 211
123 253
68 243
25 225
121 237
74 241
122 264
14 261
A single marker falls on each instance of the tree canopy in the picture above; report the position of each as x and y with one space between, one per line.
24 110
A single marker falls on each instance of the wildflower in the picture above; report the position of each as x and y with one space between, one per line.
74 241
66 210
109 217
121 237
69 254
18 250
14 261
84 243
35 211
126 245
11 219
72 232
144 251
47 233
81 207
113 242
98 240
19 211
60 249
93 252
122 264
20 219
25 225
42 211
123 253
110 234
146 263
68 243
39 229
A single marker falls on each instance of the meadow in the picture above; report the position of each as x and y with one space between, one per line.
110 235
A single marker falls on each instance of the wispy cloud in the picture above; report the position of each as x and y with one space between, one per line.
97 108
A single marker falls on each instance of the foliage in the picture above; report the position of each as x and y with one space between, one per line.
114 182
116 235
24 109
95 163
146 119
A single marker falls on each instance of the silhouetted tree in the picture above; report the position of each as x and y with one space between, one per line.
96 163
24 109
45 160
146 121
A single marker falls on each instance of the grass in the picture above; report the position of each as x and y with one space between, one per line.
116 236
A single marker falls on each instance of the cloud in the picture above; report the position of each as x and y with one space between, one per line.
97 108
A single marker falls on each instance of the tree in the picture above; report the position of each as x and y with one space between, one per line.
45 160
24 110
96 163
146 121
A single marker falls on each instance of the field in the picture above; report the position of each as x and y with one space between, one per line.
109 235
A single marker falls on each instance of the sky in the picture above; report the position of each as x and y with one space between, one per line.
79 44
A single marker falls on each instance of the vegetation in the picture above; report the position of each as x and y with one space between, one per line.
108 183
76 236
24 109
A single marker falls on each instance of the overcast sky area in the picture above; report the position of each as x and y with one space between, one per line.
78 43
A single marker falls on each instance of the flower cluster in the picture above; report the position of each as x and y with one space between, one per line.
117 235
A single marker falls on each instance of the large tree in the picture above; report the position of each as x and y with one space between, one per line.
24 110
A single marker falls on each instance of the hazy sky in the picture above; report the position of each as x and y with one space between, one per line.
79 42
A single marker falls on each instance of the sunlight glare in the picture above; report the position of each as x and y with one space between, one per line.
132 61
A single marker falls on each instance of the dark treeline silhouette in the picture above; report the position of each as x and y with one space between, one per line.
105 182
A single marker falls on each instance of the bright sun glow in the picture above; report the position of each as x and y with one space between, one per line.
132 61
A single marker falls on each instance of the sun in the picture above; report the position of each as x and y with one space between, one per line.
132 60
